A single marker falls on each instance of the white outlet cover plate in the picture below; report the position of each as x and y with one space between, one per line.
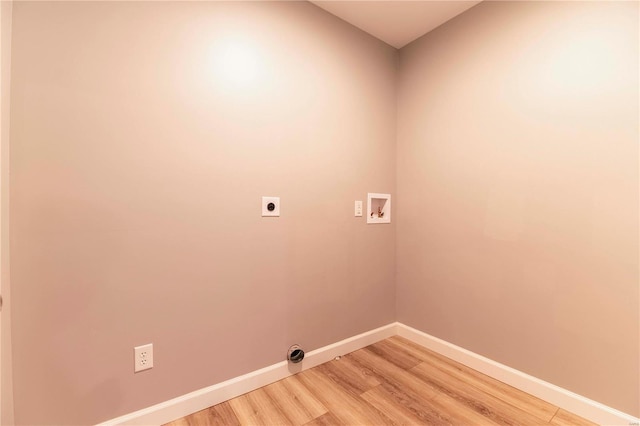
265 203
142 357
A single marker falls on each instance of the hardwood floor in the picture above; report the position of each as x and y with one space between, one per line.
392 382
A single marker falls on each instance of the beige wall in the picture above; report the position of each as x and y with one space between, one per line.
6 372
143 136
517 204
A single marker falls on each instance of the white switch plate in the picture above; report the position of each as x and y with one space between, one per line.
142 357
358 209
270 202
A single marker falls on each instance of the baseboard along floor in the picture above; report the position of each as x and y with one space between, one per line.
392 374
394 381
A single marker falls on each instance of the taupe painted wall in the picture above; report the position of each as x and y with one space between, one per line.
6 372
517 205
139 156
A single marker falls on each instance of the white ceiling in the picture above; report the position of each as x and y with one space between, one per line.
395 22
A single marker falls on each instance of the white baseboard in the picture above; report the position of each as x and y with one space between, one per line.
567 400
199 400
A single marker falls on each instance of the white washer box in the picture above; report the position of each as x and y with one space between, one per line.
378 208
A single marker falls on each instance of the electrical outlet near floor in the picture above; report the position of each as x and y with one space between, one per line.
143 357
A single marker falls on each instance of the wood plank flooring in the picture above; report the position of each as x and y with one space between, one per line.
392 382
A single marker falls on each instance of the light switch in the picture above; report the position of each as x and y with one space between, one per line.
358 209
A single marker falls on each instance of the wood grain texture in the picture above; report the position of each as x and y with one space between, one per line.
218 415
347 408
350 375
471 398
565 418
404 408
294 400
393 382
326 419
257 408
387 372
522 400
